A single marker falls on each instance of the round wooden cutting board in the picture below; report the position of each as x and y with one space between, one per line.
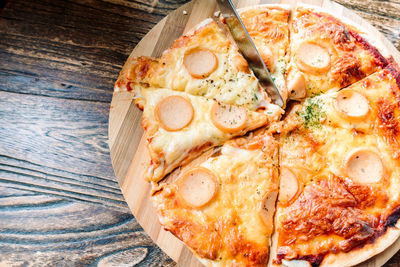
126 141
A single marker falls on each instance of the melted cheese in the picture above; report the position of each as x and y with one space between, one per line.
232 82
377 89
169 149
244 177
317 154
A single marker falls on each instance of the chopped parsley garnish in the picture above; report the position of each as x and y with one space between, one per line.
282 66
312 113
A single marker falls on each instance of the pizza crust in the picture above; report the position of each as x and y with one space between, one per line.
366 252
363 31
353 257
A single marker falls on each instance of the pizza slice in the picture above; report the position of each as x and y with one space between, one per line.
179 126
339 200
326 54
222 206
269 29
203 62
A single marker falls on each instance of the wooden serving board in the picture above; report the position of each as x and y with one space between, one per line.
126 141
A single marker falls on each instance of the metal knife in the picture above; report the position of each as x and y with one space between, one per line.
249 50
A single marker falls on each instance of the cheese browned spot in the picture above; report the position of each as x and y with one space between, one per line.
296 86
197 187
174 113
352 104
267 208
312 58
228 118
364 166
289 186
200 62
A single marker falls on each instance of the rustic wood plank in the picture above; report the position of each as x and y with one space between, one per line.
59 200
42 165
66 237
74 58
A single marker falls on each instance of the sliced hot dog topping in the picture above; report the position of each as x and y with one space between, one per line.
200 63
267 57
197 187
364 166
267 208
240 63
289 186
312 58
174 113
228 118
296 86
352 104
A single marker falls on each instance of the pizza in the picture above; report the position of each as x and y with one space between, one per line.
243 182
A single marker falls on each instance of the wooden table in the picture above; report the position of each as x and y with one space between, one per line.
60 203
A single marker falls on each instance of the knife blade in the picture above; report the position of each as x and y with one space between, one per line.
248 49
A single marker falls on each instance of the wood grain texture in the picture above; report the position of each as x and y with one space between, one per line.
60 204
128 149
384 15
